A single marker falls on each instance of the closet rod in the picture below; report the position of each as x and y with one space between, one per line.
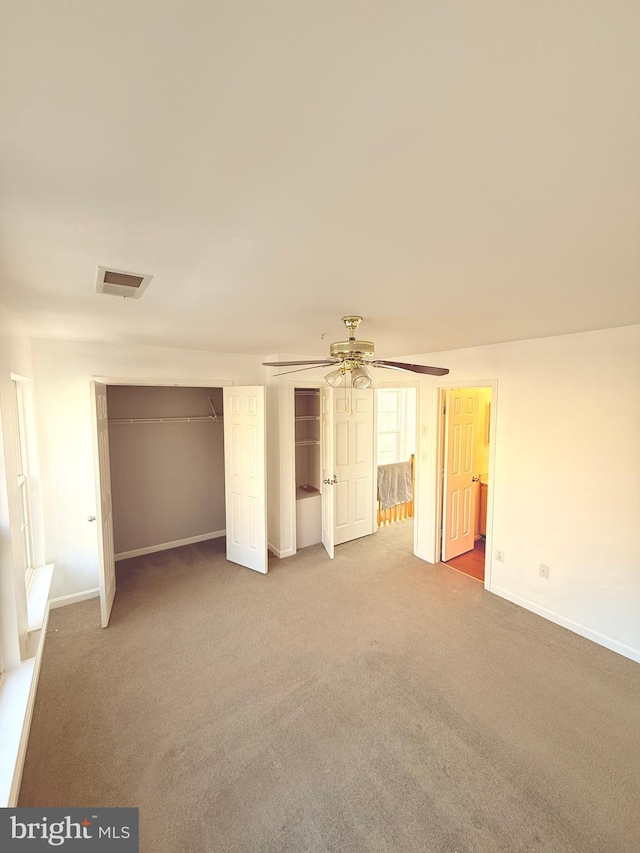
165 420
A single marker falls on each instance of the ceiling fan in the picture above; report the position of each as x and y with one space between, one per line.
354 357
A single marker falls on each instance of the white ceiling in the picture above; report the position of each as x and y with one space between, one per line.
460 173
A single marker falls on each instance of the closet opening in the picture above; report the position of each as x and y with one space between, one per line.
167 465
307 466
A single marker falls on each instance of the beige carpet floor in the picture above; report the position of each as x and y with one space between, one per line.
373 703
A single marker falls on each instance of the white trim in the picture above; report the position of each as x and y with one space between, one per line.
165 546
151 382
576 627
74 598
38 596
18 696
423 555
291 486
287 552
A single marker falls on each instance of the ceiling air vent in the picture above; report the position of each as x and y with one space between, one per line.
121 283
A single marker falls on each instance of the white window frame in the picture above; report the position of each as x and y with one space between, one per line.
22 457
404 450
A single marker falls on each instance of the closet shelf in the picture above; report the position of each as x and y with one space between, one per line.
165 420
303 442
307 417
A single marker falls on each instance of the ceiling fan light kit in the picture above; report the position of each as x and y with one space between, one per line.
354 357
335 377
361 377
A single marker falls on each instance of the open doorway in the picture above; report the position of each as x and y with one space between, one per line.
465 441
395 425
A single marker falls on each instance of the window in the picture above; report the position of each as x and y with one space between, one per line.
23 477
396 425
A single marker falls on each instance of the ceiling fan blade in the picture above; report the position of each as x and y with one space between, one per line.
300 369
293 363
414 368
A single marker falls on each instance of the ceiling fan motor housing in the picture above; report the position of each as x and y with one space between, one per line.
352 349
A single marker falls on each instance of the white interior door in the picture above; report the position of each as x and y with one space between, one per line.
458 505
353 433
104 515
245 476
328 485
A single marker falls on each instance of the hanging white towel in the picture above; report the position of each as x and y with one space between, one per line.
394 484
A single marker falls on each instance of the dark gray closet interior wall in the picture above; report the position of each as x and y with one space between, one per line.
167 479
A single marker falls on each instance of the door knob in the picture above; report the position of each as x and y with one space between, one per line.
331 482
91 518
475 479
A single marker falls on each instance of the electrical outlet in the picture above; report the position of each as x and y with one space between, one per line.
544 571
499 556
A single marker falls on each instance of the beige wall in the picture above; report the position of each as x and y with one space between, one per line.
565 486
167 479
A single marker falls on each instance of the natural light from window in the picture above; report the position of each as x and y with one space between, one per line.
396 427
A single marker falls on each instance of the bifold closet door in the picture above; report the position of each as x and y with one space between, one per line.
245 476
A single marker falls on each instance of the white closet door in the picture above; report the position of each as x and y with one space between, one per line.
353 463
327 463
104 515
245 476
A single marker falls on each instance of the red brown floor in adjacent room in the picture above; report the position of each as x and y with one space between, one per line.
471 563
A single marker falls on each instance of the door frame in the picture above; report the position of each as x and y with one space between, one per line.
392 386
288 478
290 486
146 381
438 447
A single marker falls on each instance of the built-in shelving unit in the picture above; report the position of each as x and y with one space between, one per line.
307 445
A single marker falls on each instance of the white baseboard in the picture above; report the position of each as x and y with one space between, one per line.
288 552
576 627
165 546
423 555
74 598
